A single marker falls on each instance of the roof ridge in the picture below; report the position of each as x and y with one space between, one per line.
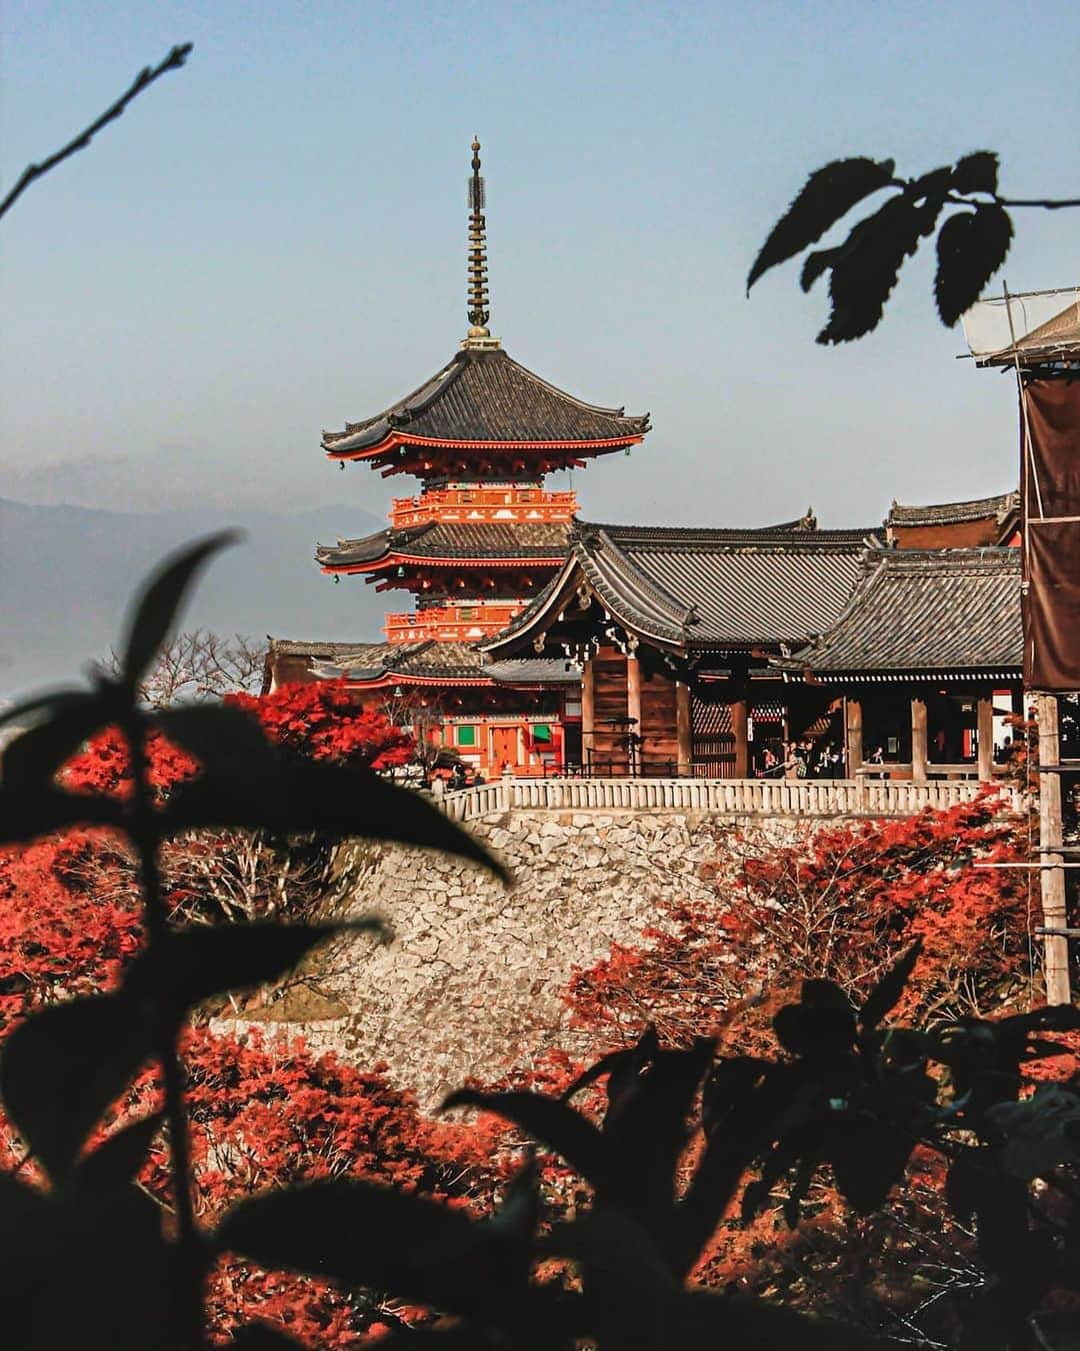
413 402
570 398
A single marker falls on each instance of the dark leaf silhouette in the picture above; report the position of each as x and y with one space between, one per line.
61 1069
160 600
26 814
328 798
118 1159
977 172
1039 1132
357 1233
863 276
229 744
885 995
829 194
971 246
182 969
31 760
550 1122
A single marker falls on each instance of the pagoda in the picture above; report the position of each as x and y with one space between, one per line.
480 540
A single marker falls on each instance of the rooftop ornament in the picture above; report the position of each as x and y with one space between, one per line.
479 336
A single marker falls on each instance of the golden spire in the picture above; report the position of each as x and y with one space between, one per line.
479 335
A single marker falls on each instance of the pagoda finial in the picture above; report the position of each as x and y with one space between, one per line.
479 334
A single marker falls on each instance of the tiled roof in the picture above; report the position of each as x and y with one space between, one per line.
416 662
529 539
487 396
953 513
533 671
690 588
926 612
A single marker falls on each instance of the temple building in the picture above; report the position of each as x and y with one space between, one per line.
672 630
480 540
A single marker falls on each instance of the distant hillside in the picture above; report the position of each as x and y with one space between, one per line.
66 574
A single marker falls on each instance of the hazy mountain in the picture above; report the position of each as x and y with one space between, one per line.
66 573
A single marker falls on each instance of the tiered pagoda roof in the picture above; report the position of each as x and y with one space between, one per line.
701 589
427 664
924 614
453 545
484 399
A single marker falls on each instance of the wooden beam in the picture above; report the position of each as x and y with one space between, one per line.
588 713
684 728
919 749
985 733
853 742
1056 945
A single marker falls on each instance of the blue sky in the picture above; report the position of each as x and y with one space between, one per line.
272 240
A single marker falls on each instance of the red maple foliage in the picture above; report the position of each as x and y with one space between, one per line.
321 720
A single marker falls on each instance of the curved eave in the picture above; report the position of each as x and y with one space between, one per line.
394 678
413 560
394 440
563 596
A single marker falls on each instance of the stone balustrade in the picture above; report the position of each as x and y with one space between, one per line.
729 797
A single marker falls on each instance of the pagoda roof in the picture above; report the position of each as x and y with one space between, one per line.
999 508
711 589
484 397
924 613
427 663
438 542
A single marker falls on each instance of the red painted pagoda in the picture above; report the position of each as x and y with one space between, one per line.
480 540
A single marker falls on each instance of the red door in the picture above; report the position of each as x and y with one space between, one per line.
504 748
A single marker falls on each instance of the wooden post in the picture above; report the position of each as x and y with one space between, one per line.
684 728
1056 946
739 726
588 715
919 752
633 710
985 733
853 744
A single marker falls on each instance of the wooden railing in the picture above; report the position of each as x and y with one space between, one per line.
725 797
483 504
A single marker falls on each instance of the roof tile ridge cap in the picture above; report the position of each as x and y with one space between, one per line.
873 566
405 403
619 413
650 588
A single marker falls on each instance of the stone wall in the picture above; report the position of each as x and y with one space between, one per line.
470 983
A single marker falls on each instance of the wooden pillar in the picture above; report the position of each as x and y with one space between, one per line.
1056 945
684 728
739 725
633 710
588 715
919 749
853 743
985 733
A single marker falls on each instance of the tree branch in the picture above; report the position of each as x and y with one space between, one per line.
146 77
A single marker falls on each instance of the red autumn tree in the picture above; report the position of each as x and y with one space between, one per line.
322 721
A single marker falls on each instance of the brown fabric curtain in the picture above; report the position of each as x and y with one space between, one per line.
1050 477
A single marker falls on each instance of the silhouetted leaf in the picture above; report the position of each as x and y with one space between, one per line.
822 1024
550 1122
865 273
358 1233
829 194
27 813
184 968
31 760
160 599
885 995
63 1066
48 704
117 1160
977 172
816 263
229 744
331 799
1038 1131
971 246
607 1064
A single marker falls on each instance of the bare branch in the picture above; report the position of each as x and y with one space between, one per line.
146 77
